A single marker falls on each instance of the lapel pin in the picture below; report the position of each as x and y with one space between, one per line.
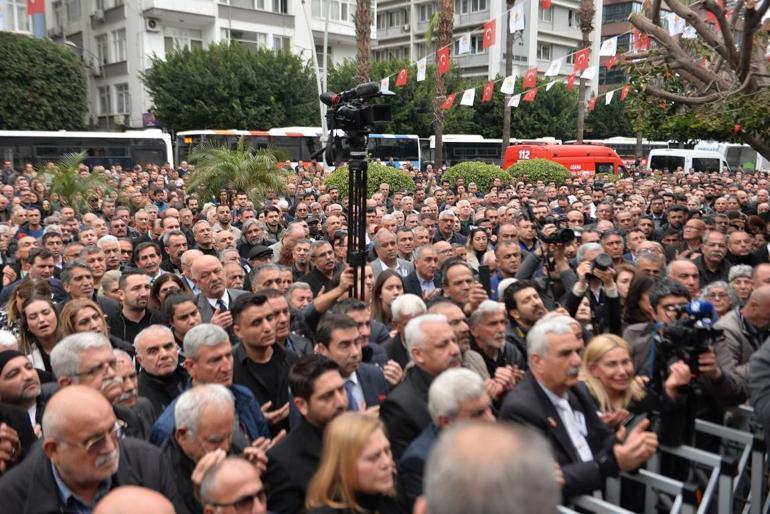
552 422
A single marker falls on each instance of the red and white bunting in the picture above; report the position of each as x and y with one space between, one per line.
469 95
450 100
443 60
489 34
489 90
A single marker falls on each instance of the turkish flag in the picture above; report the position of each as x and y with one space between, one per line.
442 60
624 92
592 104
530 78
450 100
489 34
488 90
641 41
609 63
570 82
581 59
35 7
545 4
530 95
402 77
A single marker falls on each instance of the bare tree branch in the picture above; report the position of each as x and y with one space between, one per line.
693 100
725 29
700 27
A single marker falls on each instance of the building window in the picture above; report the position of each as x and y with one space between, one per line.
280 6
73 10
613 76
339 10
252 40
281 44
546 14
102 49
381 21
105 101
478 5
619 13
624 43
462 6
543 52
123 99
572 18
18 20
119 45
425 12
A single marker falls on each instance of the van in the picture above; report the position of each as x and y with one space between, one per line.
580 160
698 160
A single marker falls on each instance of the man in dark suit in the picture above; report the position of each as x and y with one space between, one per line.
41 266
337 337
318 392
432 344
423 281
214 299
548 400
403 309
455 395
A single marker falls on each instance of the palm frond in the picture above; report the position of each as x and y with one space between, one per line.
431 28
65 180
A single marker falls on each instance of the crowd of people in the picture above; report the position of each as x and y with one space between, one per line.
163 352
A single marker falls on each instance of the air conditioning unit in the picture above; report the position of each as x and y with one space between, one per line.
151 25
119 119
99 15
405 28
96 70
55 32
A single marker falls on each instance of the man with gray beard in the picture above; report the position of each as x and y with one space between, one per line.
81 458
129 392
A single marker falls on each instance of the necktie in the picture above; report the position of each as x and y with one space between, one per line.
573 429
221 305
352 403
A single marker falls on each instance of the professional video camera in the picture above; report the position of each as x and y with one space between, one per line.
350 118
560 235
350 113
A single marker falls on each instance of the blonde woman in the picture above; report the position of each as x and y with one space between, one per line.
356 472
608 373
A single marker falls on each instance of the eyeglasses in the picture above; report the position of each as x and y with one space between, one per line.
99 368
245 502
97 443
673 307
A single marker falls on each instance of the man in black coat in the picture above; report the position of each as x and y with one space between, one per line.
433 347
548 400
318 392
161 378
82 458
423 280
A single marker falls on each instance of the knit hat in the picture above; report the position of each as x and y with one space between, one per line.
7 356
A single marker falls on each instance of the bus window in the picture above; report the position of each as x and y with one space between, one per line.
671 162
605 167
705 164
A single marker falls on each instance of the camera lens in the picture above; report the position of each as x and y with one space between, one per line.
602 262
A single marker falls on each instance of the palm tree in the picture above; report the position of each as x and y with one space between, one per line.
444 31
586 14
363 23
241 169
72 185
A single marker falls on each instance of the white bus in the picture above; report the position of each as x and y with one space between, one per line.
673 158
102 148
737 155
473 147
625 147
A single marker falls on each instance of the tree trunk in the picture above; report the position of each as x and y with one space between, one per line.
581 113
758 143
363 24
444 32
508 69
586 15
638 148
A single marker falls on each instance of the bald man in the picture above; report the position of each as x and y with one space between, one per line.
234 480
130 499
82 458
745 330
214 299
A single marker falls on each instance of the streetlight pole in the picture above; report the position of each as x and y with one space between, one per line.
322 107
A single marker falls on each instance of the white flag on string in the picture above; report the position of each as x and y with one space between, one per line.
422 66
608 97
550 85
508 85
514 102
676 24
553 68
385 84
464 44
689 32
516 19
609 47
589 73
468 96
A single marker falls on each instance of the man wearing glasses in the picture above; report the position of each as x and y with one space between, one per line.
233 487
82 457
86 358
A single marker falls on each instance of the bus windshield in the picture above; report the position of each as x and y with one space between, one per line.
670 162
400 149
705 164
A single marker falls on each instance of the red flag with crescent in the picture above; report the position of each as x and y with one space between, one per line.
35 7
402 77
641 41
530 78
624 92
488 90
545 4
592 104
442 60
489 34
612 61
570 82
530 95
581 59
450 100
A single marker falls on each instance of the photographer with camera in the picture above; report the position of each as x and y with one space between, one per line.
596 280
548 265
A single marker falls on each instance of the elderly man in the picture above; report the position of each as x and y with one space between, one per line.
547 399
161 378
324 266
433 347
387 255
423 281
209 360
446 229
230 484
488 326
403 309
455 395
82 458
128 499
214 299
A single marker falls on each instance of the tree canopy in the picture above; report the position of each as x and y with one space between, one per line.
43 85
230 86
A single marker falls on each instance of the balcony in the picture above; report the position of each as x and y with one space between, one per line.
191 13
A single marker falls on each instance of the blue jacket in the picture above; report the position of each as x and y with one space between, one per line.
249 413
